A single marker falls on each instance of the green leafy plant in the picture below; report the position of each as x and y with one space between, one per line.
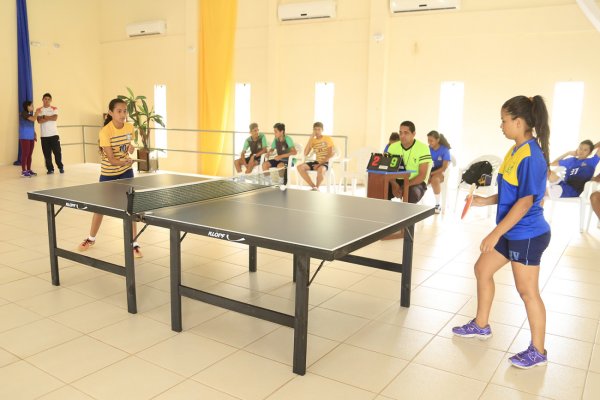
141 116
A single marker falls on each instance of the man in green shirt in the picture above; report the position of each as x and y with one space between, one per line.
417 158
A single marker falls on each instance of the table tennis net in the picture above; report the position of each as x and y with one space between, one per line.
150 199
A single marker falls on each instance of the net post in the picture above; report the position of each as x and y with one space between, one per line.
130 195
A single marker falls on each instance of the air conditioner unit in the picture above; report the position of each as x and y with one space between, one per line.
306 10
146 28
401 6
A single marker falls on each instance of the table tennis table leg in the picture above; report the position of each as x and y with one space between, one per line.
52 243
407 256
252 258
302 269
129 265
175 263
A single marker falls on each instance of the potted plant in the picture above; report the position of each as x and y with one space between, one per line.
141 116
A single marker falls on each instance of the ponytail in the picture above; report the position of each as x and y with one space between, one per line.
441 138
535 114
542 128
107 119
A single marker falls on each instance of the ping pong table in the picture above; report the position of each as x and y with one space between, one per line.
320 225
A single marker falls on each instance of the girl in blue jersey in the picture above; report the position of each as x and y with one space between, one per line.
440 154
521 234
578 169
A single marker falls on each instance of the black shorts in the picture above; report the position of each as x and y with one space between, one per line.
312 164
124 175
415 192
525 251
275 163
256 158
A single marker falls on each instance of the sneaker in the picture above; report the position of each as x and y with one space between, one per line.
473 330
86 244
25 174
50 172
438 209
314 189
32 173
529 358
62 171
137 252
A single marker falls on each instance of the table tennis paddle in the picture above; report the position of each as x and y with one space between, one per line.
469 201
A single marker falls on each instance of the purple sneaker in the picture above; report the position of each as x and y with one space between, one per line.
529 358
473 330
25 174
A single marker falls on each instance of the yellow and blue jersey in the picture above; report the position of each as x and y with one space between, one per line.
118 140
523 173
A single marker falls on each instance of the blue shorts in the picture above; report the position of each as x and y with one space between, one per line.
313 164
124 175
525 251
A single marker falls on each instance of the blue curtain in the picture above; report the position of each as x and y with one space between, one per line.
24 59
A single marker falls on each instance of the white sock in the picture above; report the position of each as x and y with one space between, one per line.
92 238
437 199
136 244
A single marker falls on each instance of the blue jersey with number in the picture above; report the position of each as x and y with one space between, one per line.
578 173
439 156
523 173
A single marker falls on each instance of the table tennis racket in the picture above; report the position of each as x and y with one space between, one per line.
469 201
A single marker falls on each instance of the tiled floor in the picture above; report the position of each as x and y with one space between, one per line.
77 341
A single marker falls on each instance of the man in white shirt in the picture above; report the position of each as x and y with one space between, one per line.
47 117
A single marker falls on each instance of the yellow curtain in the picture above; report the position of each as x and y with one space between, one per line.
218 19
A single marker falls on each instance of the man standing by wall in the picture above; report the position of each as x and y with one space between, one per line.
47 116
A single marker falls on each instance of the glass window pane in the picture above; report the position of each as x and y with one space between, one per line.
565 123
160 108
324 93
450 120
241 115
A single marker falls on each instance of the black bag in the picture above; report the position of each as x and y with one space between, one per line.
474 173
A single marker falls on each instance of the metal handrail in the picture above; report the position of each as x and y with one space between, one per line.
83 142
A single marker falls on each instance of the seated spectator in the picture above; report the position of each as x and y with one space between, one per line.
284 148
323 147
440 153
257 143
394 137
577 169
417 158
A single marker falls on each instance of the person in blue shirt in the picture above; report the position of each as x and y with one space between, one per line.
27 137
577 169
394 137
521 234
440 153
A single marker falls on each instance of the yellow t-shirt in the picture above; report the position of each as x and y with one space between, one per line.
321 148
118 140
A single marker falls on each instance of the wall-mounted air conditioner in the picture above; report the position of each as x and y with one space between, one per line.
306 10
146 28
401 6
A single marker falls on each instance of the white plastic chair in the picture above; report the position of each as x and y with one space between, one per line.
356 169
484 191
293 162
583 201
444 187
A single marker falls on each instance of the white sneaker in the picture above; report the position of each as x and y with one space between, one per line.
438 209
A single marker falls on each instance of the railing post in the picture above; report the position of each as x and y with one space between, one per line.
83 142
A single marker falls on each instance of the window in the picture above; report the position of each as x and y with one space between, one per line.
324 92
241 115
450 120
566 116
160 108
